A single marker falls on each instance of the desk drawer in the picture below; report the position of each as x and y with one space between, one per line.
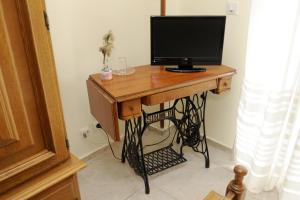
104 109
129 109
179 93
223 85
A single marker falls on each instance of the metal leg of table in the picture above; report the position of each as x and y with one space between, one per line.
133 149
201 147
191 131
189 119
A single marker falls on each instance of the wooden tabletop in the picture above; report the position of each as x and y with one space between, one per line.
149 80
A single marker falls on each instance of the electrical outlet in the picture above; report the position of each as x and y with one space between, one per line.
85 132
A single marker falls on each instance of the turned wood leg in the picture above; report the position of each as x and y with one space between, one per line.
236 189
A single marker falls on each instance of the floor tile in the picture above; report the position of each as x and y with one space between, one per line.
108 179
155 194
194 181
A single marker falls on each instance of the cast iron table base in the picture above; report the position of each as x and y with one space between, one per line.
189 120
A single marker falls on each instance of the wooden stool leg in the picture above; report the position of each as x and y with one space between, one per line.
236 188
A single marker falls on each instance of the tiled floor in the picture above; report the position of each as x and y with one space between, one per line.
108 179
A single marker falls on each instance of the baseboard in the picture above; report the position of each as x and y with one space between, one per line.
102 148
91 154
87 156
161 130
218 143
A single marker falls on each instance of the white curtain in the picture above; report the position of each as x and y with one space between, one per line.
268 125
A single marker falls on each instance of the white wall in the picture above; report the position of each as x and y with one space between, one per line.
77 27
222 109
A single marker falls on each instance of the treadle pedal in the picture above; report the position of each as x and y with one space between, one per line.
161 159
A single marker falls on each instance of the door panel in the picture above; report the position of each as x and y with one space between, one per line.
17 91
32 132
7 126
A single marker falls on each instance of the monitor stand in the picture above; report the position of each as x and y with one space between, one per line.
186 69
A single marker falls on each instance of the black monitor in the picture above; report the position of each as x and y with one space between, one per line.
185 41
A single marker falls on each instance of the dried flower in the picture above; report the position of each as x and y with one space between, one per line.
107 47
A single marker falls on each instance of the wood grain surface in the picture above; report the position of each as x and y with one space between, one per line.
32 130
161 97
104 109
45 181
148 80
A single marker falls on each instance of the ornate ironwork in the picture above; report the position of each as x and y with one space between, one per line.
191 131
161 159
133 149
188 115
160 115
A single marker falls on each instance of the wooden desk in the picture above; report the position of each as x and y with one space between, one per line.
123 96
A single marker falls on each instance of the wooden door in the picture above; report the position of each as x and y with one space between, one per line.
32 132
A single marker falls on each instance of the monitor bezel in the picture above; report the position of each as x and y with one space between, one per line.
186 60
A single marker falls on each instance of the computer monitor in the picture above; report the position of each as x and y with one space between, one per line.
186 41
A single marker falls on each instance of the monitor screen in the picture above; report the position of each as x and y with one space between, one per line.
190 40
